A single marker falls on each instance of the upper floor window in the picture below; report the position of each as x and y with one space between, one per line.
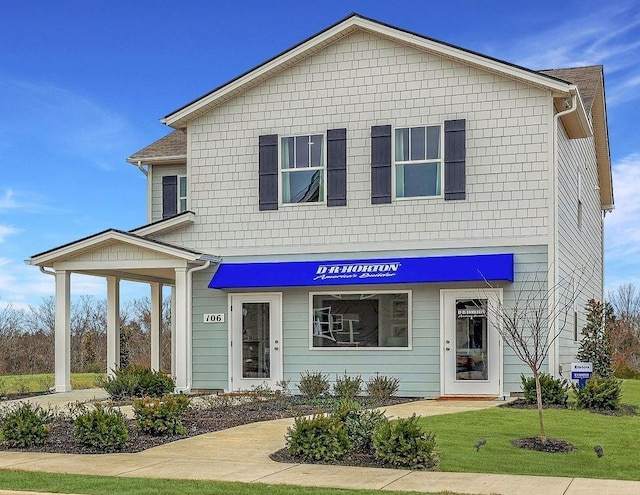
182 193
418 161
174 195
302 169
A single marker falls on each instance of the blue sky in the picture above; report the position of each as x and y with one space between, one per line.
83 85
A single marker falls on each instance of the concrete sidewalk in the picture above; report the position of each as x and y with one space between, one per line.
242 454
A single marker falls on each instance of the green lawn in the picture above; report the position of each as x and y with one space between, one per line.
106 485
19 384
619 436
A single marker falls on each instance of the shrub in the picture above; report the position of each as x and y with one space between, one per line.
347 387
161 416
380 388
313 384
554 390
320 438
402 443
137 381
103 428
25 426
624 371
600 394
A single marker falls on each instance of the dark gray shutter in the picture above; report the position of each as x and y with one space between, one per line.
268 172
337 167
169 195
454 160
380 164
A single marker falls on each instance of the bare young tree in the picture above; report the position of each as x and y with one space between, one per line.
533 321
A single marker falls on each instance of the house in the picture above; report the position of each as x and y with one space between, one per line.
356 204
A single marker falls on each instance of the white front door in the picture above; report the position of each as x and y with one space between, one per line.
471 345
255 340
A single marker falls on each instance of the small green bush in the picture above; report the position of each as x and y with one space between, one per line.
161 416
554 390
137 381
103 428
402 443
347 387
320 438
599 394
25 426
380 388
360 423
313 384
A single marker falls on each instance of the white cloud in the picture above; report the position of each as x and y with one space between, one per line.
622 227
609 36
6 231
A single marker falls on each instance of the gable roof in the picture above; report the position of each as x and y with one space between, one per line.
590 81
94 241
352 23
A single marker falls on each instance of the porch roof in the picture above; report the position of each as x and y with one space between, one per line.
123 254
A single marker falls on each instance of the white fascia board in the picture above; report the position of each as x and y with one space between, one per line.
180 117
60 254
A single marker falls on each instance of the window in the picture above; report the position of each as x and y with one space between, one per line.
182 193
418 162
360 320
302 169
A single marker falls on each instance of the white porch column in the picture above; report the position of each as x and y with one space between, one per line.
63 332
173 331
156 326
181 332
113 324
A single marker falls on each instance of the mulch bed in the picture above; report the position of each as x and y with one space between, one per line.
357 459
196 421
625 409
548 445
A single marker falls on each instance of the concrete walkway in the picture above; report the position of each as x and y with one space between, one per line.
242 454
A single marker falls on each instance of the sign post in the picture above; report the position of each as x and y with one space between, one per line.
581 372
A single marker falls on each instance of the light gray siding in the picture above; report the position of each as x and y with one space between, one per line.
579 247
358 82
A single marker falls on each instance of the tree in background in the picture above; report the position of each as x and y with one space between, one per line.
624 336
595 347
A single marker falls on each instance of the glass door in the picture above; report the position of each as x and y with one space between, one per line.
255 345
471 351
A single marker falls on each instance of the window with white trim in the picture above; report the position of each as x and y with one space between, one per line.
361 319
418 161
302 169
182 193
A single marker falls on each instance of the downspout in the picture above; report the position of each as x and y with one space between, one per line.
47 272
190 273
140 167
554 366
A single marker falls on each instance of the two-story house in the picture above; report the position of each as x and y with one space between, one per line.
356 204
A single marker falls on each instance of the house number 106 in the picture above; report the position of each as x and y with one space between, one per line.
214 318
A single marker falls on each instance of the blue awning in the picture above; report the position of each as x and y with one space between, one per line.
475 268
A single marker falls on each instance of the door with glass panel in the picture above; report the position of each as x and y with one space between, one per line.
256 341
471 347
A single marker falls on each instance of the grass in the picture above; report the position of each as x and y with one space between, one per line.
456 435
107 485
21 384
